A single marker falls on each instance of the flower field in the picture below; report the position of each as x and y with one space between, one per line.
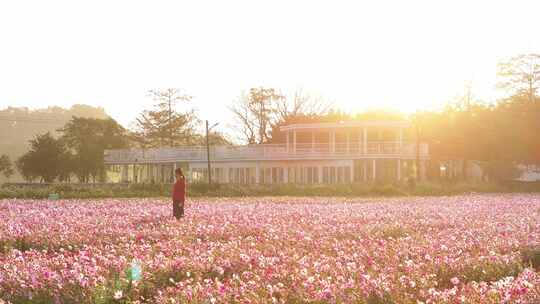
463 249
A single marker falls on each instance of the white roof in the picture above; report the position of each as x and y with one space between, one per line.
345 124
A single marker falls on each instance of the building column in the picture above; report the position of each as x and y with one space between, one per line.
399 169
258 173
364 140
226 175
285 175
364 169
359 140
351 173
348 142
294 141
125 173
374 169
320 173
422 170
312 141
173 170
333 141
400 140
287 143
162 172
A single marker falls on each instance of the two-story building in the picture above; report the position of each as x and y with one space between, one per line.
312 153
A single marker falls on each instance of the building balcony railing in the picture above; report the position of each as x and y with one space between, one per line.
268 152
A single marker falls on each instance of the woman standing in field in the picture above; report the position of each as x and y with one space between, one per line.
179 194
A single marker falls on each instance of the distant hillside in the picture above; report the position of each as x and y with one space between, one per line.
18 125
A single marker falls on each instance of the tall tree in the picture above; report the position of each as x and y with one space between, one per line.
44 160
259 113
520 75
88 138
244 118
6 167
262 105
301 103
164 124
19 125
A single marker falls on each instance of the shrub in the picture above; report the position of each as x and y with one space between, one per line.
42 191
530 256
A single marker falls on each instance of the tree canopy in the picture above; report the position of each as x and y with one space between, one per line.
6 167
45 160
164 125
19 125
259 113
87 139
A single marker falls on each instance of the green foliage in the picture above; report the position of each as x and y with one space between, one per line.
80 151
479 271
68 191
520 75
531 257
88 138
21 125
164 125
377 299
45 160
6 167
390 231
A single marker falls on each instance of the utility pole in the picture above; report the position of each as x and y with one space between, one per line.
208 155
208 151
170 121
417 127
467 110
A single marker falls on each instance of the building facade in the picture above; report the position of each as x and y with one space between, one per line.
315 153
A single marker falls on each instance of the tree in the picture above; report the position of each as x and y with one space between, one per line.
301 103
25 167
261 104
6 167
164 124
259 114
244 119
44 160
19 125
88 138
520 75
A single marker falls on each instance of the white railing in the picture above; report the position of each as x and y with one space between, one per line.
267 151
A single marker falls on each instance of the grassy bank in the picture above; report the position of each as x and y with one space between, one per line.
40 191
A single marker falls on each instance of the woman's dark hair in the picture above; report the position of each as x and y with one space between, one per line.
179 171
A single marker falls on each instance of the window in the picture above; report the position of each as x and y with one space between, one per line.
347 174
253 174
241 176
315 175
281 175
340 175
312 175
290 172
332 175
267 175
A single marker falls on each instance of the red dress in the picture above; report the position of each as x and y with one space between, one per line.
179 190
179 197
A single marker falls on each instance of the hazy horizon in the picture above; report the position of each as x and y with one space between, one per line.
388 54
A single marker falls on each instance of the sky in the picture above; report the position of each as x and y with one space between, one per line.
405 55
